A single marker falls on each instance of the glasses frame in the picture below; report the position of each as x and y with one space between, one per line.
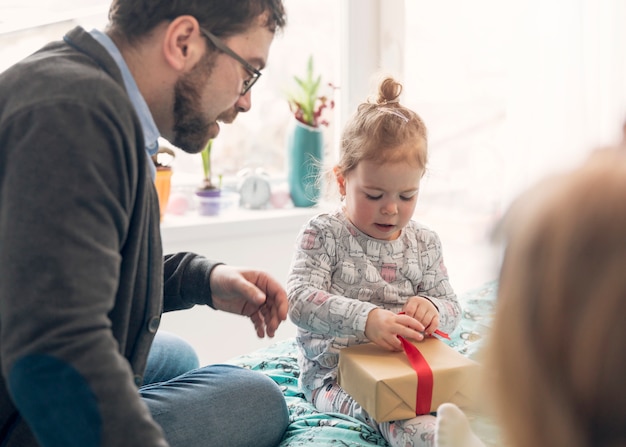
220 45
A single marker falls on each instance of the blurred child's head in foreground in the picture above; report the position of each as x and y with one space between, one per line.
558 346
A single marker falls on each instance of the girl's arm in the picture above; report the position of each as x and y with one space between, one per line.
312 304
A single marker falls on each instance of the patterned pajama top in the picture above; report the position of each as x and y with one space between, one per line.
339 274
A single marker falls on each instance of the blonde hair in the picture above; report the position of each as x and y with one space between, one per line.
558 346
380 127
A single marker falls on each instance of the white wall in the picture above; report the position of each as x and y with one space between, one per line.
261 239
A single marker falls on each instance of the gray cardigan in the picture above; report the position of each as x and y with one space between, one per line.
83 281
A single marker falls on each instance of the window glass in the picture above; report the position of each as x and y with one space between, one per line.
257 138
20 15
456 79
511 91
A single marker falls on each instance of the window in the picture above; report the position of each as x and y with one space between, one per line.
455 71
20 16
511 91
257 138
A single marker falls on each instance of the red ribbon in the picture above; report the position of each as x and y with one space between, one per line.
425 381
437 331
442 334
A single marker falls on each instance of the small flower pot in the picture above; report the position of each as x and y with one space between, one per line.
163 185
212 202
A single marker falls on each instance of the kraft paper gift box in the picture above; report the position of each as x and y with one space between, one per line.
386 385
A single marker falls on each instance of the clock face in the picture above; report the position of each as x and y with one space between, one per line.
255 191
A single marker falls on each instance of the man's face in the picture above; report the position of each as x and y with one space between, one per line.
211 91
191 123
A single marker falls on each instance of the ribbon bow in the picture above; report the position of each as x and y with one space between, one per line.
425 381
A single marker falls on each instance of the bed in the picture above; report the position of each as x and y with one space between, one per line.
309 427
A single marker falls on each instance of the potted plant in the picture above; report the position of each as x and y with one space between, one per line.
163 179
305 103
208 194
305 142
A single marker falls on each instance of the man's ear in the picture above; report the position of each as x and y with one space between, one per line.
341 180
183 43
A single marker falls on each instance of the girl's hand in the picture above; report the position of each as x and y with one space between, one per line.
424 311
383 328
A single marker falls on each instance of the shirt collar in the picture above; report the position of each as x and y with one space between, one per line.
150 130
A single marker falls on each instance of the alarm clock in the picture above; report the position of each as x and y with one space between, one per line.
254 189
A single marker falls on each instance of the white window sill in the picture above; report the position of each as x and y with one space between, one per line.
261 239
234 223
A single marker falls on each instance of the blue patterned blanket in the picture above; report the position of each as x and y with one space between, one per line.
309 427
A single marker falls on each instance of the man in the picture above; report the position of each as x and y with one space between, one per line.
82 278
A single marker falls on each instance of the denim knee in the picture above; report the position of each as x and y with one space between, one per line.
219 405
261 404
170 356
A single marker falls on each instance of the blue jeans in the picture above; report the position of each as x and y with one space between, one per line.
216 405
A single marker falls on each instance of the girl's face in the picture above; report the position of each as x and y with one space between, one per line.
380 198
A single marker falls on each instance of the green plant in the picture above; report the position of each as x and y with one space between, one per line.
206 167
305 102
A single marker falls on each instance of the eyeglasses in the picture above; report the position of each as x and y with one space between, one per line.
254 73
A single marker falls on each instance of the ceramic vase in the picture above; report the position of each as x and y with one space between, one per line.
304 162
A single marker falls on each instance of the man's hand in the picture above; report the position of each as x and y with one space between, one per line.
251 293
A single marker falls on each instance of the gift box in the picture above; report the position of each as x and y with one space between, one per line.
387 386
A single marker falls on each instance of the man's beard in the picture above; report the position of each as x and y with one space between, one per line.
191 126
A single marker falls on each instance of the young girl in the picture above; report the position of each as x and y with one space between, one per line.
367 272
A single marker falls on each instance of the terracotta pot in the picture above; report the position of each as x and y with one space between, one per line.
163 185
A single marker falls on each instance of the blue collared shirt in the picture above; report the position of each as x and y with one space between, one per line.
150 130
